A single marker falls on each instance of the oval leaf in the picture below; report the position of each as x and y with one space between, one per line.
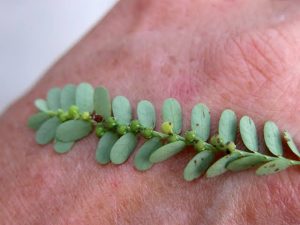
104 147
273 138
121 110
172 113
63 147
35 121
228 126
246 162
46 132
68 97
146 114
73 130
198 165
167 151
141 160
53 99
274 166
41 105
200 121
122 149
219 167
249 133
85 97
290 142
102 102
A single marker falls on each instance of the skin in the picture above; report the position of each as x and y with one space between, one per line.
236 54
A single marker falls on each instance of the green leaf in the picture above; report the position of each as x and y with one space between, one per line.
172 113
249 133
228 126
73 130
273 138
219 167
122 110
46 132
102 102
41 105
53 99
122 149
146 114
85 97
167 151
274 166
141 160
290 142
200 121
68 97
35 121
246 162
198 165
63 147
104 147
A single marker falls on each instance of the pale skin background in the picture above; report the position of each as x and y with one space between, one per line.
238 54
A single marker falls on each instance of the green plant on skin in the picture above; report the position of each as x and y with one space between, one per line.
72 113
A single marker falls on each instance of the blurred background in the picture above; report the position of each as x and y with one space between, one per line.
34 34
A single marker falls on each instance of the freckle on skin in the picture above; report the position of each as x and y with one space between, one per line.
114 184
173 59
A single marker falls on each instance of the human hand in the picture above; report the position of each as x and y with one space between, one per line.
227 54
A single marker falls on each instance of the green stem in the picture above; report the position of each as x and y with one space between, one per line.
159 134
181 138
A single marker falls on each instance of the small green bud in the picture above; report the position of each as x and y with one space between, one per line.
63 116
167 128
73 112
216 140
172 138
135 126
110 122
73 109
100 131
86 116
231 146
200 146
122 129
147 133
190 136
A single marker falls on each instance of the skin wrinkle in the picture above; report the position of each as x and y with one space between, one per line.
277 197
286 82
259 43
254 67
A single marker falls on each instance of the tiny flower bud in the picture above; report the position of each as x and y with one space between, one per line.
147 133
190 136
230 146
135 126
63 116
100 131
172 138
122 129
110 123
86 116
200 146
167 128
73 112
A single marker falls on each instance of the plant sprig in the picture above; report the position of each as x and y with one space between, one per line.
72 113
